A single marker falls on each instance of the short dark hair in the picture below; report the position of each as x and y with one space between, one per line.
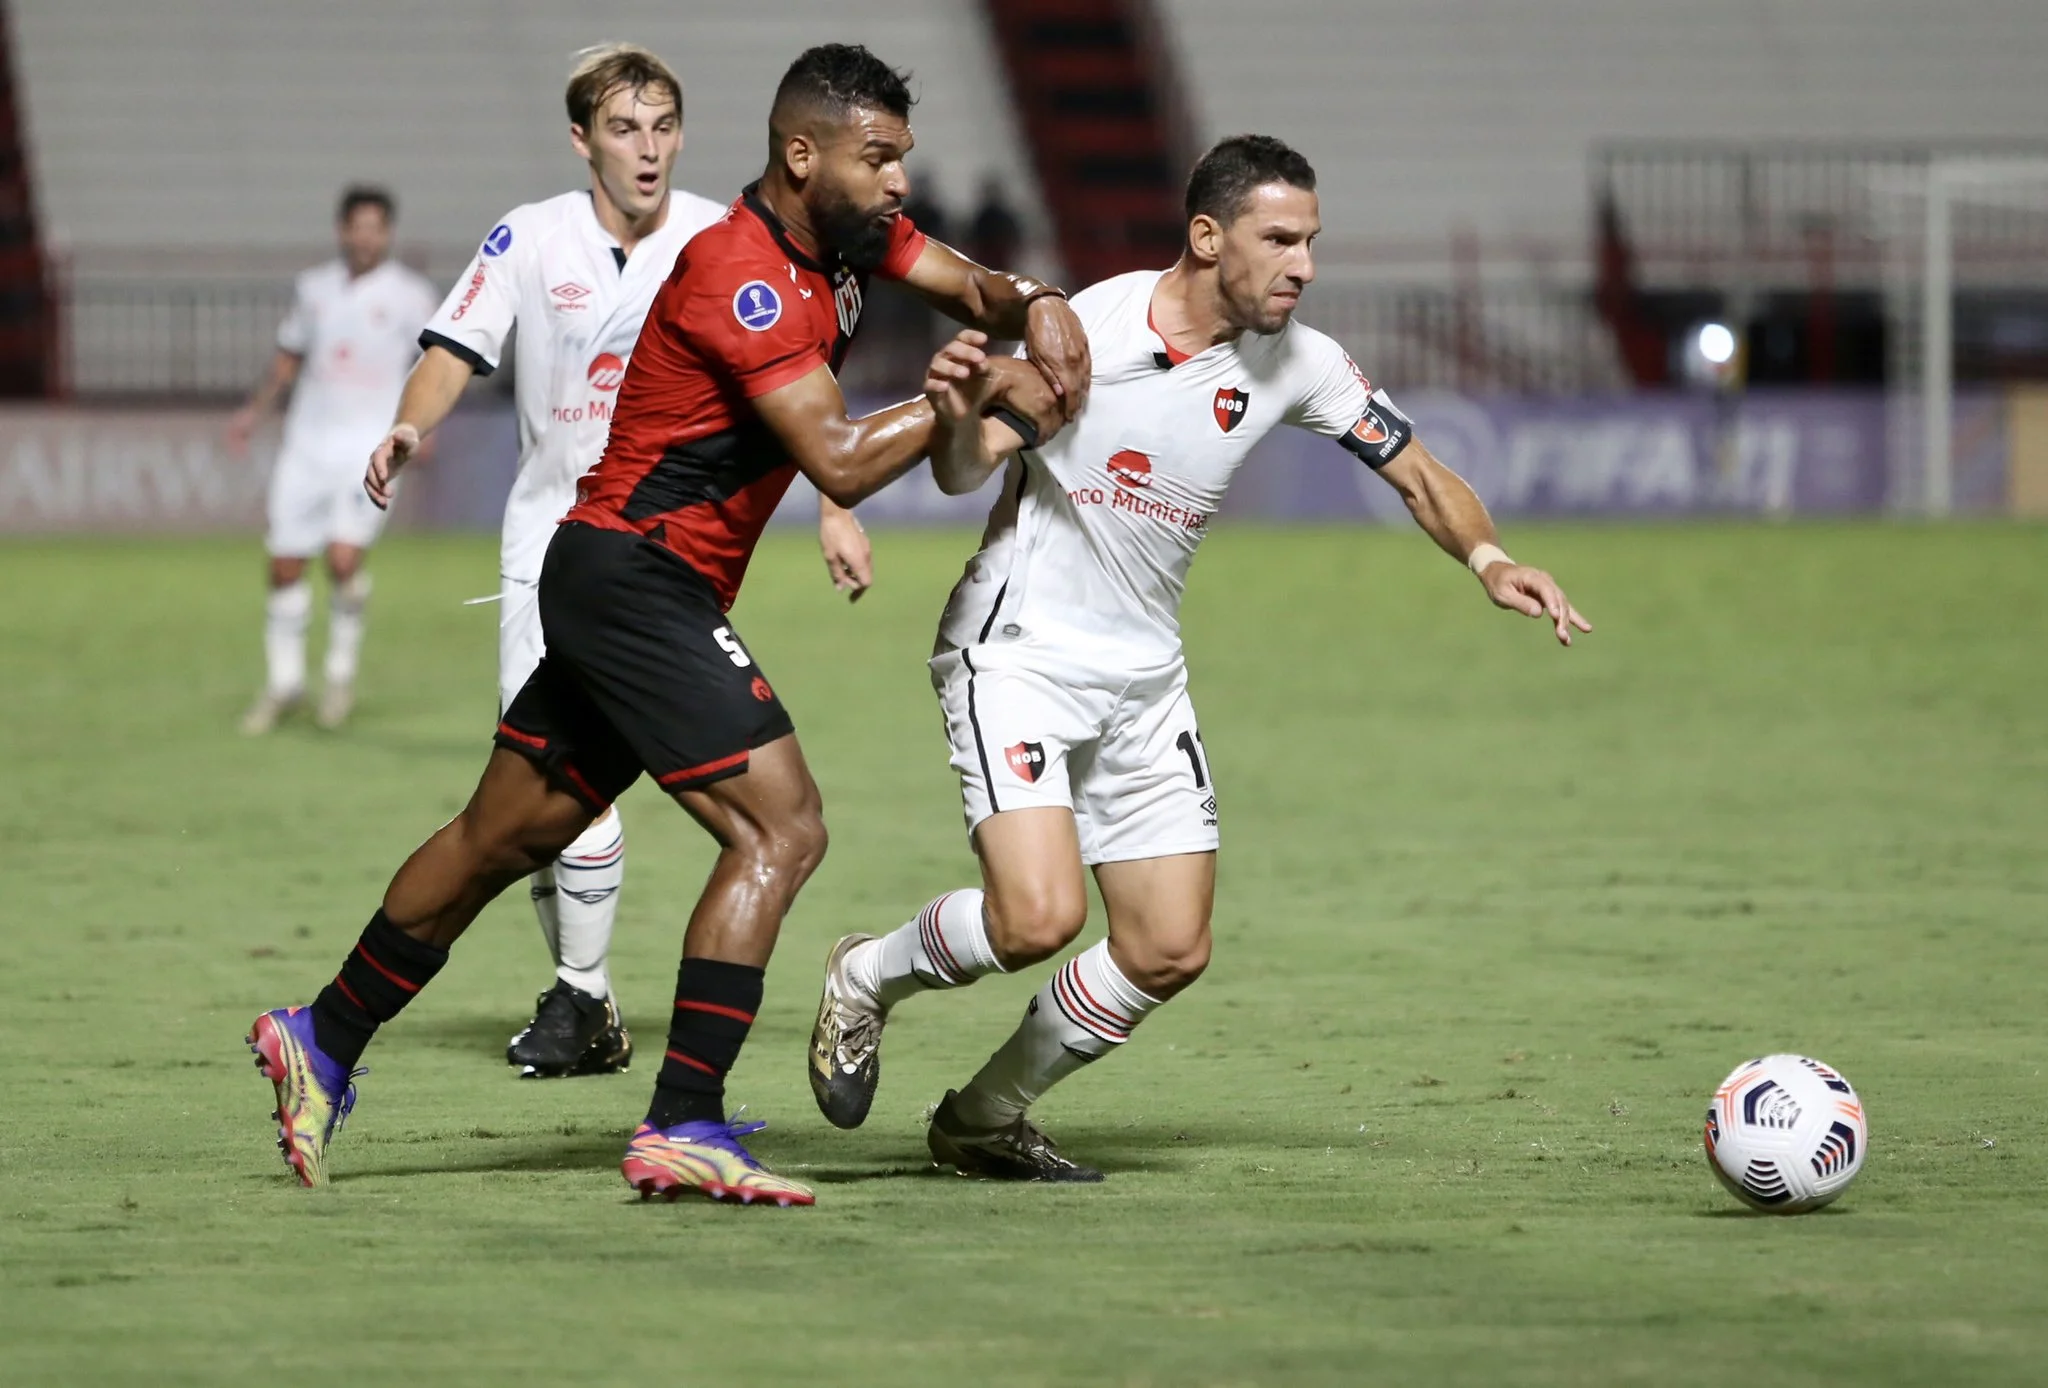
614 67
838 77
365 195
1225 178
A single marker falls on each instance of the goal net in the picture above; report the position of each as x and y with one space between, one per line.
1961 236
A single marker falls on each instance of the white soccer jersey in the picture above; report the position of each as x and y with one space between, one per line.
357 338
552 270
1087 550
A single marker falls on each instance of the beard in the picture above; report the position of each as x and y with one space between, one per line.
857 235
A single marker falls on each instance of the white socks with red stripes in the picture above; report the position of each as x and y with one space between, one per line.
1087 1010
577 899
945 947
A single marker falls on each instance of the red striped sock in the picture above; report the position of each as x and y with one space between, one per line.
715 1006
383 973
1086 1011
947 946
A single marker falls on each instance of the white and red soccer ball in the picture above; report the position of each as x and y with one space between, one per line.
1786 1134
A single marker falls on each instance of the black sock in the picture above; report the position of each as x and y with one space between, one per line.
379 977
715 1007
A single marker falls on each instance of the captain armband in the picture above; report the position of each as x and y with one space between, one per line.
1380 433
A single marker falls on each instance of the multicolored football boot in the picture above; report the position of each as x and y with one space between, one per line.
705 1156
314 1094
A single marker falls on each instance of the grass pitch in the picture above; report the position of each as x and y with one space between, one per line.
1494 919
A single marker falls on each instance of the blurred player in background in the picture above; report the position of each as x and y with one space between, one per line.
731 393
575 275
1059 664
342 353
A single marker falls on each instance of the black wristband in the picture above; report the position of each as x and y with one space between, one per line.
1024 428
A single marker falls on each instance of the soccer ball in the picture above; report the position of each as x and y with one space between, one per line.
1786 1134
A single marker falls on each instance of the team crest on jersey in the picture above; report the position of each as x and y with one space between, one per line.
498 242
846 299
1027 759
1231 404
757 306
1131 469
607 372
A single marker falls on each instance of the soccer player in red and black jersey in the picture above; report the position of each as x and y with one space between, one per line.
730 394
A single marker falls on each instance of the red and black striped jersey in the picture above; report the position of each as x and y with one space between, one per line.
689 463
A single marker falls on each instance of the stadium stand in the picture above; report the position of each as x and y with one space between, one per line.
1423 117
246 140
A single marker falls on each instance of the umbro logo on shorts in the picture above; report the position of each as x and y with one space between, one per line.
1027 759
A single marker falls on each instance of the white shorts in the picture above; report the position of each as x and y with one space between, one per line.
520 646
319 501
1125 755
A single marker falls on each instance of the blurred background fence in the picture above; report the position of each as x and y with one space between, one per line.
1628 209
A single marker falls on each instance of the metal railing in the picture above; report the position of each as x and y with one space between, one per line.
1794 212
208 337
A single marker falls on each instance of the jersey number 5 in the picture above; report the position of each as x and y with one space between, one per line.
730 644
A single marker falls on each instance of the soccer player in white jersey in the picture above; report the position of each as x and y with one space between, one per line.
1059 663
575 274
343 353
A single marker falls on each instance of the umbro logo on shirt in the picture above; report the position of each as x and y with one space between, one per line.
569 296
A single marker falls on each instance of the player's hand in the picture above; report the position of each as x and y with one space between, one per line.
957 380
241 428
397 449
1017 386
849 558
1533 593
1056 344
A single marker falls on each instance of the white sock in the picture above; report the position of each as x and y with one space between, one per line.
345 610
1086 1011
945 947
586 901
286 613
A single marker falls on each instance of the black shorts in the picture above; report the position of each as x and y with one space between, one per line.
642 673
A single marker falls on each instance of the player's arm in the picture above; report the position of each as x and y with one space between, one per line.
284 370
984 410
848 460
849 558
1451 513
437 381
1011 307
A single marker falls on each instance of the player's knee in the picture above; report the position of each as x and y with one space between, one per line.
805 841
502 845
1165 967
1025 927
789 847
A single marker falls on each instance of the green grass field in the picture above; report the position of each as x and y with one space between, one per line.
1494 920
